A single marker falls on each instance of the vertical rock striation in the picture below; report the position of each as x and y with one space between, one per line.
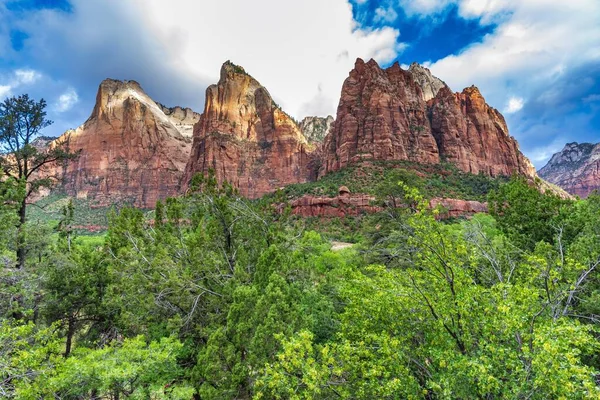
394 114
247 139
133 149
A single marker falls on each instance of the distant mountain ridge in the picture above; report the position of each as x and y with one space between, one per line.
576 168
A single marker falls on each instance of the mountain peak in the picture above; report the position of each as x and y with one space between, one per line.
112 93
246 138
430 85
576 168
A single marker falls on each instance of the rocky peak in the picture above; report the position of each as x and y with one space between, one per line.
576 168
383 115
572 153
430 85
115 98
183 118
112 93
246 138
316 128
134 149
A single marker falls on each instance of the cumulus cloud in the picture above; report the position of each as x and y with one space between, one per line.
292 50
66 101
385 15
18 79
536 50
26 76
424 7
176 49
514 104
4 90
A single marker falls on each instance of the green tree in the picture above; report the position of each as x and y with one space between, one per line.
431 327
526 214
21 120
74 284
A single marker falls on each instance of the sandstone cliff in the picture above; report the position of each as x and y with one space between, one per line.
133 149
315 129
247 139
352 204
576 168
430 85
391 115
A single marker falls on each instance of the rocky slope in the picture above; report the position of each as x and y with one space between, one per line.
247 139
133 149
576 168
315 129
395 114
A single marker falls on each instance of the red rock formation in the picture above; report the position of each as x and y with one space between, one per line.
340 206
352 204
383 115
474 136
131 150
247 139
576 168
453 208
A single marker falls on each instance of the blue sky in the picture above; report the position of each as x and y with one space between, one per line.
537 61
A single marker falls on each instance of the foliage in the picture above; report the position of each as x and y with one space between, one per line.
441 180
213 296
526 214
21 120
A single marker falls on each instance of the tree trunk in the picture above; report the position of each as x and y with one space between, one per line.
70 334
21 252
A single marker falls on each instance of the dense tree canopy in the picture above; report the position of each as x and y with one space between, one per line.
216 297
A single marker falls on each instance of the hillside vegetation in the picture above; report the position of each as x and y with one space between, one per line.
223 298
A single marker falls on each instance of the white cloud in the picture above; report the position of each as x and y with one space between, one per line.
26 76
4 91
66 100
385 15
301 52
537 41
176 48
424 7
534 50
17 79
514 104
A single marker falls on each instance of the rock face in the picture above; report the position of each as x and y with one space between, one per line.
247 139
453 208
352 204
315 129
576 168
133 149
474 136
385 115
430 85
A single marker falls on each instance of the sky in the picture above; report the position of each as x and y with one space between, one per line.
537 61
